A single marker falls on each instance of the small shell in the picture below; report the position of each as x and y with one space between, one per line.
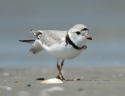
52 81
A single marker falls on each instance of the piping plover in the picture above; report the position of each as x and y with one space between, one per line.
60 44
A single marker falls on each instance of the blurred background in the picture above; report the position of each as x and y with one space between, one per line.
104 18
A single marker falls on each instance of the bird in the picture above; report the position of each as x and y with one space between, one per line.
59 44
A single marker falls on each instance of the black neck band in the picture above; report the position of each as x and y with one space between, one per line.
68 40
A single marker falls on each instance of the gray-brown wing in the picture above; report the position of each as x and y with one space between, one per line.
50 37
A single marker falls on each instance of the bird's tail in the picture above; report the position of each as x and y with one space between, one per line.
27 41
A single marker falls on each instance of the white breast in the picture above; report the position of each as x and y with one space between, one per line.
63 51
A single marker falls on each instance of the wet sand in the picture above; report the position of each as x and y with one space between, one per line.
94 81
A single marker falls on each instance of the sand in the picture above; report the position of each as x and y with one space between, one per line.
94 81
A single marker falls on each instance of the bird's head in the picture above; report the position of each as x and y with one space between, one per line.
79 32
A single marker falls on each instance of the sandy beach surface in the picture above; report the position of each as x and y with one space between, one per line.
94 81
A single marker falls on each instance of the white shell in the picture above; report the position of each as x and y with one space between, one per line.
52 81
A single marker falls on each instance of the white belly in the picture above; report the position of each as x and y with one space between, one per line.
64 52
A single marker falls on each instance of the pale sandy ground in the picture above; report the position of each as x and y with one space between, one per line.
95 81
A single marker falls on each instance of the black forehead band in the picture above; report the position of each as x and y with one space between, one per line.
85 29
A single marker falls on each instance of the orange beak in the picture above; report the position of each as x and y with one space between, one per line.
88 37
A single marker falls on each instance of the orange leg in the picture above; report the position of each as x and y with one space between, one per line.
59 69
58 76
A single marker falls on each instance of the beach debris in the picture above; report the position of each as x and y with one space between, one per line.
46 92
6 87
52 81
16 82
29 85
80 89
23 93
77 79
69 79
40 78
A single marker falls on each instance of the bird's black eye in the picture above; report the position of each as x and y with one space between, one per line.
77 32
85 29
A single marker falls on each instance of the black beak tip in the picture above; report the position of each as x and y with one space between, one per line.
90 38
